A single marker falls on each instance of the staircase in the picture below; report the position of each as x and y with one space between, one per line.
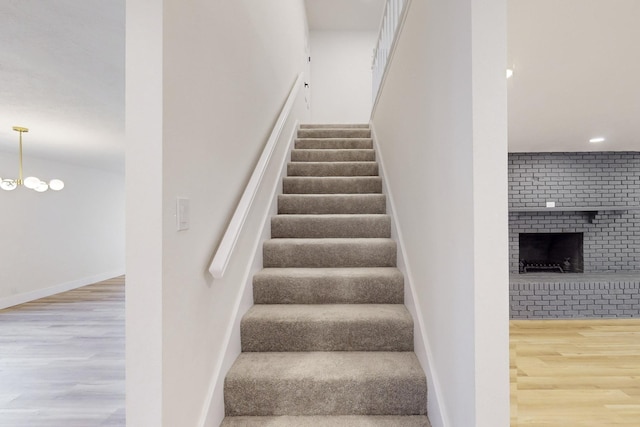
328 341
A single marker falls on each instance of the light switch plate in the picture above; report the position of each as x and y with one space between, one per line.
182 214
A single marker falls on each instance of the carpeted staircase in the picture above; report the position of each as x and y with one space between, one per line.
328 341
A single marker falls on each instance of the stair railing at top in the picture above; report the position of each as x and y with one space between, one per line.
394 14
228 243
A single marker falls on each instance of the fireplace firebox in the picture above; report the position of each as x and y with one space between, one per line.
551 252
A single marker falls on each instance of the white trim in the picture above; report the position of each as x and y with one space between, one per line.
228 243
244 300
13 300
436 412
392 51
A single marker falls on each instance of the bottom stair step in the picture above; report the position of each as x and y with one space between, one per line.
329 421
326 383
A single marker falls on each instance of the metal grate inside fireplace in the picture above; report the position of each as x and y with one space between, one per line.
551 252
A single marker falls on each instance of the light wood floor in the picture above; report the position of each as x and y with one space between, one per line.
575 373
62 361
62 365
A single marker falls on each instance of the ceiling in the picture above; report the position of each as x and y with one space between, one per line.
353 15
62 73
576 74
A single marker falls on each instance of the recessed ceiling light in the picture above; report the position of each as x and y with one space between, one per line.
509 73
598 139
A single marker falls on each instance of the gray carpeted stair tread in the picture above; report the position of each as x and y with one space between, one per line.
332 169
326 383
332 204
331 185
329 341
329 421
327 327
325 226
373 285
333 143
337 155
329 252
334 125
334 133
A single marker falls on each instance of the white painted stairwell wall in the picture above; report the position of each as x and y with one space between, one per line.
341 76
441 125
205 84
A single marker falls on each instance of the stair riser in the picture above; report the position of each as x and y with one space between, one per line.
331 204
345 396
335 126
332 185
333 155
330 292
332 169
334 133
328 421
333 144
278 254
326 226
327 336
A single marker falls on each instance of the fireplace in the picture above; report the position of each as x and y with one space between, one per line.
551 252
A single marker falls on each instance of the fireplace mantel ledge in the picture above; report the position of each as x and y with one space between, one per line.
575 208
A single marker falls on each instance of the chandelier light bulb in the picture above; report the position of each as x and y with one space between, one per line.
8 184
56 184
32 182
42 187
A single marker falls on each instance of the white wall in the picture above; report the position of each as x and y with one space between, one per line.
205 84
341 76
441 127
56 241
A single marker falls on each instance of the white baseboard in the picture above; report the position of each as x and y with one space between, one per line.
437 414
25 297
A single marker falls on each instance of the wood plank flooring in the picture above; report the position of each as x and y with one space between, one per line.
575 373
62 359
62 364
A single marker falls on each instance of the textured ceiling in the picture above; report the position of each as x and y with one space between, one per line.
576 74
62 73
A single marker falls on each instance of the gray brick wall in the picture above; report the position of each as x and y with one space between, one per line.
574 179
574 300
611 238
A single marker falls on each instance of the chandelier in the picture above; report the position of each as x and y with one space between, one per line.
30 182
